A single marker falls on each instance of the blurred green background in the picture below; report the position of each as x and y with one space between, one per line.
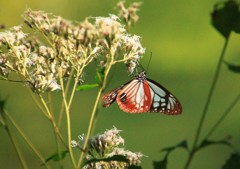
185 51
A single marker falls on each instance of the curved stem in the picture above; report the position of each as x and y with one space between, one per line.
224 115
27 140
209 98
14 142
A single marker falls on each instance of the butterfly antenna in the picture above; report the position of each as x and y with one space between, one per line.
140 65
149 62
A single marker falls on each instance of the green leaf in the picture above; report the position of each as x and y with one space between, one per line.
206 143
233 68
56 157
100 76
233 162
226 17
182 144
86 87
161 164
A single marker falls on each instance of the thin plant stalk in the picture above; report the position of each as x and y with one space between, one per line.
50 102
68 122
90 126
224 115
75 86
15 144
38 103
39 155
55 129
209 99
66 92
46 113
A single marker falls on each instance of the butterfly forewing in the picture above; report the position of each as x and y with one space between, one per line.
162 100
135 97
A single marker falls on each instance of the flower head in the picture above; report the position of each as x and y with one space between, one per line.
107 145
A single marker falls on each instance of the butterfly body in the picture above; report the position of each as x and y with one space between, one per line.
143 95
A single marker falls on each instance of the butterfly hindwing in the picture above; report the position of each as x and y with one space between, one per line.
163 100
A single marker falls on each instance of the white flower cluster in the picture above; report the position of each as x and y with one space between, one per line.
72 47
129 14
106 146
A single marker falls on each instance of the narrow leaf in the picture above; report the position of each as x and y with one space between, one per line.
162 164
225 17
56 156
206 143
86 87
233 68
182 144
233 162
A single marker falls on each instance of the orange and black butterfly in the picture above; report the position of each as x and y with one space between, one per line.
143 95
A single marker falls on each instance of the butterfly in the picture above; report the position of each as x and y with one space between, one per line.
143 95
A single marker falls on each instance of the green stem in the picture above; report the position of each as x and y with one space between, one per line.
209 98
50 117
55 129
66 93
14 142
75 86
224 115
38 103
27 140
50 102
68 123
90 126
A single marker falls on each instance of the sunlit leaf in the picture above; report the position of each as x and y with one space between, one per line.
206 143
226 17
233 162
56 156
233 68
87 87
162 164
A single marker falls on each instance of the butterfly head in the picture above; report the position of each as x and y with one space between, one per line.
141 76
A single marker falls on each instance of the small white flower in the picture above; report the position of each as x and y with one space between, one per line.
74 143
